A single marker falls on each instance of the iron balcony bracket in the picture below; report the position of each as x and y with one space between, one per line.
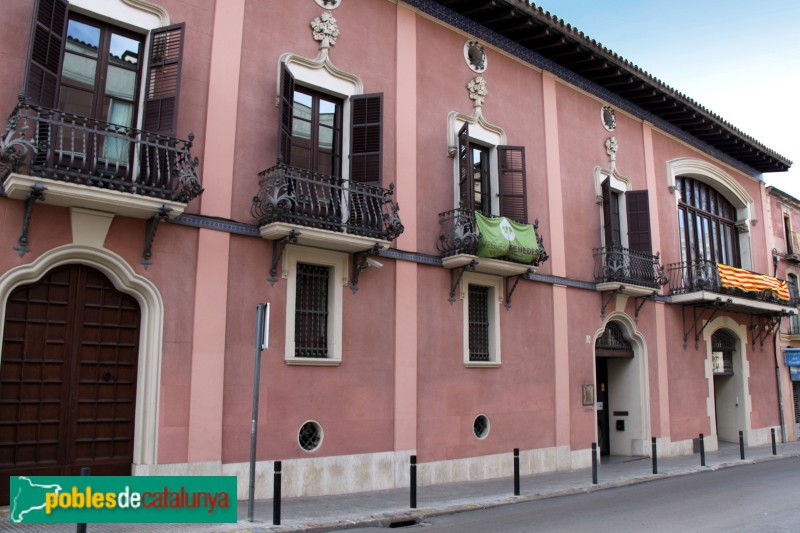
763 329
639 302
36 193
150 233
277 252
361 263
454 282
606 302
510 293
718 304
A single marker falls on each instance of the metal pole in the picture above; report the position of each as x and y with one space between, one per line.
702 450
594 463
413 481
81 528
276 495
741 445
254 421
774 444
655 457
516 471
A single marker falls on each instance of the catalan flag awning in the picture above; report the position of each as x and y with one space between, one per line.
745 280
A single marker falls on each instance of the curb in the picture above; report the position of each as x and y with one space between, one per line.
416 516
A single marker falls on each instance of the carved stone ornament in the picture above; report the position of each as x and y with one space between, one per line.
477 90
608 117
325 29
328 4
475 56
611 149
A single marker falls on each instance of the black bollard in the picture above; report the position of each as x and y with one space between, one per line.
774 444
741 445
516 470
413 481
594 463
276 497
702 450
81 528
655 457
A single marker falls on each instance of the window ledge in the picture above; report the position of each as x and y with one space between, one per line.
312 361
482 364
319 238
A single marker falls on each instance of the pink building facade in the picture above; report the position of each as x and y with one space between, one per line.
348 163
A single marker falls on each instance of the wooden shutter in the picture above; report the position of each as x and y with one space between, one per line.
513 200
366 135
164 80
48 36
638 221
286 99
465 187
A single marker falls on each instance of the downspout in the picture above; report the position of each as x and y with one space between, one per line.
778 379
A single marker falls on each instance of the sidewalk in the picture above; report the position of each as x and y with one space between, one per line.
383 508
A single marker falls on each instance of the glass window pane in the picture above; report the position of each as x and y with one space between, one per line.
121 83
682 231
83 38
302 105
692 241
124 51
327 112
75 101
707 240
301 128
79 70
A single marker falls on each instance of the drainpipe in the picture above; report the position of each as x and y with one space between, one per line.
778 378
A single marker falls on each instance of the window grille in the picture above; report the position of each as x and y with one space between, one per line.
311 311
310 436
612 339
478 323
481 426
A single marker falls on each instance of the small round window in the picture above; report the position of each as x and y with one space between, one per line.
481 426
475 56
310 436
609 118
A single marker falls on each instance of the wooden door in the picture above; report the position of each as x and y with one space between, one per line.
68 377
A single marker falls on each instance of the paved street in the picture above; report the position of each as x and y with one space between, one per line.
757 497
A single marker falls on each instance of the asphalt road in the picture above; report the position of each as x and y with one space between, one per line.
762 497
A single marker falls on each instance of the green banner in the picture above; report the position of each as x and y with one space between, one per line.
122 499
501 237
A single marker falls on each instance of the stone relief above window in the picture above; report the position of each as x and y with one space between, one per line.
325 29
475 56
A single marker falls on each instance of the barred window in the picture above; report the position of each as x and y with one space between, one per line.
478 323
311 311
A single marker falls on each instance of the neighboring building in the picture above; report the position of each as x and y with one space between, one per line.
477 230
785 220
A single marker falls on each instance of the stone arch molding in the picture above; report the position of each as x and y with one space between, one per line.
150 336
137 13
714 176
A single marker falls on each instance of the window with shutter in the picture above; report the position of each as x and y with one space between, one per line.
164 80
367 138
638 207
611 223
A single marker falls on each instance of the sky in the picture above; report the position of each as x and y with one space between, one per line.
739 59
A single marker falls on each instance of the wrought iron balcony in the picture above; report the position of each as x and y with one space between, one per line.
313 200
52 144
459 235
703 275
615 264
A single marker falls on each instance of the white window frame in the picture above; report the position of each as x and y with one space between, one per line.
495 284
337 262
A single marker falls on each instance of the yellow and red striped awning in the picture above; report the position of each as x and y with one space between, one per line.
745 280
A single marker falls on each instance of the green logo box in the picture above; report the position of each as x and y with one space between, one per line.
122 499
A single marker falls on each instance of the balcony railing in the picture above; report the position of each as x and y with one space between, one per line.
703 275
310 199
52 144
618 264
459 235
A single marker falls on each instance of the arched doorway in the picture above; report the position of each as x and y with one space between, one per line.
621 419
729 395
68 373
